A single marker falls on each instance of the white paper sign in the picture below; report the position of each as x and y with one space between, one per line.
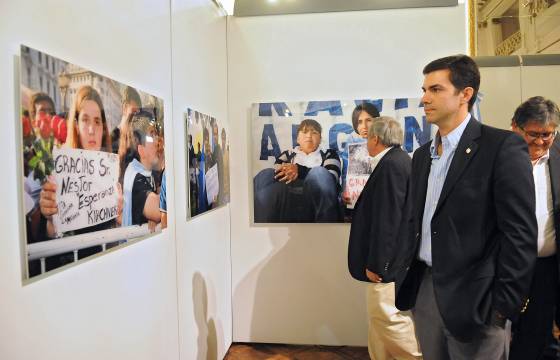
359 169
86 188
212 184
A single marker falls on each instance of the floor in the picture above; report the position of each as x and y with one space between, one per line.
253 351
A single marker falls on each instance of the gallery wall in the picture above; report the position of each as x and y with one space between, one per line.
203 242
290 282
505 87
166 297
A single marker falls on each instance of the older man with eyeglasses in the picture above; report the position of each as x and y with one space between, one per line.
536 120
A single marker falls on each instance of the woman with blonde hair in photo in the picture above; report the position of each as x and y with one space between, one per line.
88 130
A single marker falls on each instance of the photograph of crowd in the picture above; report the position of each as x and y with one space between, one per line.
309 158
207 163
93 162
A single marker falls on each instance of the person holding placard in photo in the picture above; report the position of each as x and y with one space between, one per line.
362 117
87 130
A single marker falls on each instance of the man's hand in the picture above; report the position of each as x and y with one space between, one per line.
346 198
286 173
373 277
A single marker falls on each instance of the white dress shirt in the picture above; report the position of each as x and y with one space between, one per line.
543 210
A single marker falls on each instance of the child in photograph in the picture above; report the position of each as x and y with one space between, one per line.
139 156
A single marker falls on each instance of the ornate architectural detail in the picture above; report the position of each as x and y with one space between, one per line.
509 45
536 6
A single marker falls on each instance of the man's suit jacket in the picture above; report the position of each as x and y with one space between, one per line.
379 230
554 169
483 231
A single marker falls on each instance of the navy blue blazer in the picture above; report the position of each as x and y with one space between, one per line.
484 230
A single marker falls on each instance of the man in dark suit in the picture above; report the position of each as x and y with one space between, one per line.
377 239
536 120
474 239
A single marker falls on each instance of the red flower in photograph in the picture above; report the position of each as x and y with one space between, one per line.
26 125
45 125
58 126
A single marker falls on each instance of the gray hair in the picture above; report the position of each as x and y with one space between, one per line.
388 130
543 111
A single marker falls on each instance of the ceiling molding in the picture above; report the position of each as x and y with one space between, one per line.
282 7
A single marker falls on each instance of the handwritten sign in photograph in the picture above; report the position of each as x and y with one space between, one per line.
86 188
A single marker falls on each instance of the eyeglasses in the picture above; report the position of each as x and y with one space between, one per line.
544 136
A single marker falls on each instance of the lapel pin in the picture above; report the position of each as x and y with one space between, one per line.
468 151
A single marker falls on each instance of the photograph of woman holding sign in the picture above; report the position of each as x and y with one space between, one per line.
362 117
88 130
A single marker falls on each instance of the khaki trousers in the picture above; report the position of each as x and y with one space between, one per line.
391 331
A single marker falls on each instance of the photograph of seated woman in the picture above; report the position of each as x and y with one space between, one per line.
303 186
88 130
138 151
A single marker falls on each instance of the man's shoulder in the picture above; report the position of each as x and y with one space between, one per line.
499 139
494 132
398 156
396 161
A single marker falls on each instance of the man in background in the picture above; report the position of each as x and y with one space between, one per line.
378 239
537 120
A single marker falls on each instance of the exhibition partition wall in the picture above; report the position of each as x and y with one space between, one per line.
507 83
168 296
203 243
189 291
290 281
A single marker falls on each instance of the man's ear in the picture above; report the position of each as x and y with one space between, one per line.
141 150
467 93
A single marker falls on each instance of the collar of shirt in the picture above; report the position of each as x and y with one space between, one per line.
377 158
542 159
451 140
310 160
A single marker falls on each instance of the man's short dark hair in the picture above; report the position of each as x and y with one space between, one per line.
130 94
538 109
368 108
463 73
309 123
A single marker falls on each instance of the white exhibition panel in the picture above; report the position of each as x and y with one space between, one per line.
203 243
290 282
501 94
504 88
541 80
122 305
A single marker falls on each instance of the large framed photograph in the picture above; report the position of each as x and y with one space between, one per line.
309 159
93 162
207 163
